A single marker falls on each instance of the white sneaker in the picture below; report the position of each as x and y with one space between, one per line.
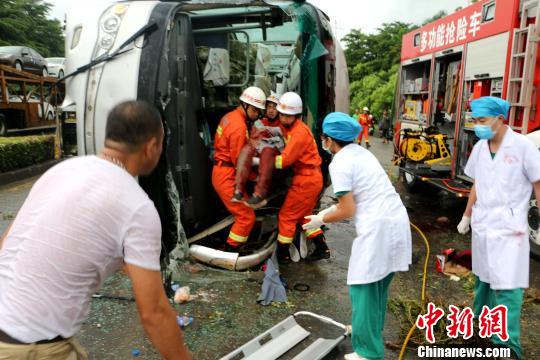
293 253
303 246
354 356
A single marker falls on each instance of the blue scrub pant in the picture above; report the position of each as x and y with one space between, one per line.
368 314
484 295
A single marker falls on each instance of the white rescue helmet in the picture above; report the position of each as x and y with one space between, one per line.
365 108
254 96
274 98
290 104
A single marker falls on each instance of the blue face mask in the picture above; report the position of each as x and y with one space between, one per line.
484 132
326 149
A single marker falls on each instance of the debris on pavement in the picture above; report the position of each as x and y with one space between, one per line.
532 295
184 320
272 288
454 263
182 295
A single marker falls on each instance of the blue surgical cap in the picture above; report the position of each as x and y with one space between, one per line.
488 106
341 126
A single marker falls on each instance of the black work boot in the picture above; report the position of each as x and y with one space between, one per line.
321 250
237 197
256 202
227 247
283 254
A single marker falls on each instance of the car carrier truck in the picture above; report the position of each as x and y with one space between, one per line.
27 101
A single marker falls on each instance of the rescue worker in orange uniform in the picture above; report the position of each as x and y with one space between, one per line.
231 136
302 155
365 121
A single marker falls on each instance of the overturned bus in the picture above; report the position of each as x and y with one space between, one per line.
191 59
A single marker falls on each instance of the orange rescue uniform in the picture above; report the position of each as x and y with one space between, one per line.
365 121
231 136
302 154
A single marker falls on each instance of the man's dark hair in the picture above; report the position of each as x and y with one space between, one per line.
133 123
340 143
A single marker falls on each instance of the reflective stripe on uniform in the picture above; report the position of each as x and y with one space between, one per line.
313 233
285 239
279 162
238 238
219 130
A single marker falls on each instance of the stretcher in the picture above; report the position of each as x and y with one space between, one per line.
281 338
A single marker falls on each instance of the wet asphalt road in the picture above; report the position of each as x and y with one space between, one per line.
225 311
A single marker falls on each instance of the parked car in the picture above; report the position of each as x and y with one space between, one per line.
55 65
24 58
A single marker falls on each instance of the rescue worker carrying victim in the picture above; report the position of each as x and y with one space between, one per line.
365 121
265 143
383 235
302 155
505 167
231 136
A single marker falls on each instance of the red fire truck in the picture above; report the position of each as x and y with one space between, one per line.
487 48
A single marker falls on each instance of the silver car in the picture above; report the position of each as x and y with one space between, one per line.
23 58
55 65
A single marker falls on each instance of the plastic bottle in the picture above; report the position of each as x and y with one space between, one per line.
184 320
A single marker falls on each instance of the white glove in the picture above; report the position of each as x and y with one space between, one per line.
256 161
328 210
315 221
464 225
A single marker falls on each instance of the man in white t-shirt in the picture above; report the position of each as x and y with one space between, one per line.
82 221
383 236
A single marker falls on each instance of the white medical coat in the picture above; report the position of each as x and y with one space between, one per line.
383 242
500 240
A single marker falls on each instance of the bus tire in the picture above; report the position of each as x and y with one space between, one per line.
533 219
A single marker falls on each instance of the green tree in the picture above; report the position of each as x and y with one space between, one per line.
25 23
373 62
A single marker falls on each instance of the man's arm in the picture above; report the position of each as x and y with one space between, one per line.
157 316
345 209
237 140
465 224
294 148
471 201
5 234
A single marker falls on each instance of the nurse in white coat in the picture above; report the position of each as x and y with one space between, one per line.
505 167
383 242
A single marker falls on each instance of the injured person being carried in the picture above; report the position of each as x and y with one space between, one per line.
265 143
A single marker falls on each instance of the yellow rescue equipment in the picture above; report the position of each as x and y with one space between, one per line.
427 146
